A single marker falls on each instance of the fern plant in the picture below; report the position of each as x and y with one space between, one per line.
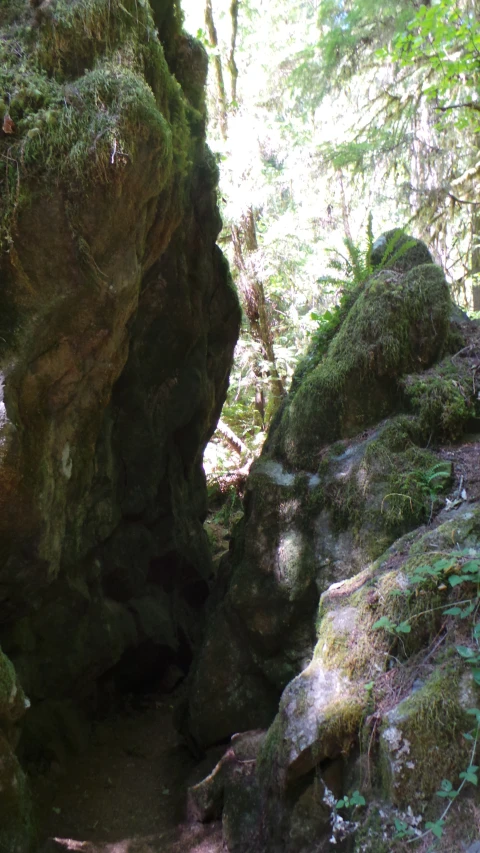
353 269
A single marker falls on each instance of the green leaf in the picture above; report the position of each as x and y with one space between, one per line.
474 712
384 622
469 776
468 610
447 790
435 828
340 804
357 799
441 565
454 580
403 628
453 611
472 566
465 652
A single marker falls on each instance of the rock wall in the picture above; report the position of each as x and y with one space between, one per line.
118 325
315 508
329 633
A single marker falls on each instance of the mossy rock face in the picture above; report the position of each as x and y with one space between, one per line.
16 828
228 691
385 697
422 742
118 325
12 697
301 533
317 516
398 322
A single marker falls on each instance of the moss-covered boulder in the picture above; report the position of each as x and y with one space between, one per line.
334 594
398 323
347 467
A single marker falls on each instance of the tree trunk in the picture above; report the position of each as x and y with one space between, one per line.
234 442
245 245
217 61
232 66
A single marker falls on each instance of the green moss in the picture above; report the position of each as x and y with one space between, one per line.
370 837
362 651
432 722
314 502
411 478
322 338
7 679
342 723
270 756
87 86
442 399
395 321
395 250
12 699
413 489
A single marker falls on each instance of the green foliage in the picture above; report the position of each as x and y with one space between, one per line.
390 626
415 489
445 37
352 801
456 569
352 271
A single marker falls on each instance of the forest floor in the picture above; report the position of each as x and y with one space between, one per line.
127 792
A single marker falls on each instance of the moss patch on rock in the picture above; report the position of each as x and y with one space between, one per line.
422 740
442 399
88 83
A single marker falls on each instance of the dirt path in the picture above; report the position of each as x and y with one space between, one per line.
126 793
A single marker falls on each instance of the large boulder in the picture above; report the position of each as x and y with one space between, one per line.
345 470
388 704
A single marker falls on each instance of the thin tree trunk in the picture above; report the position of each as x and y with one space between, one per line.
233 441
245 244
345 210
232 66
217 61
